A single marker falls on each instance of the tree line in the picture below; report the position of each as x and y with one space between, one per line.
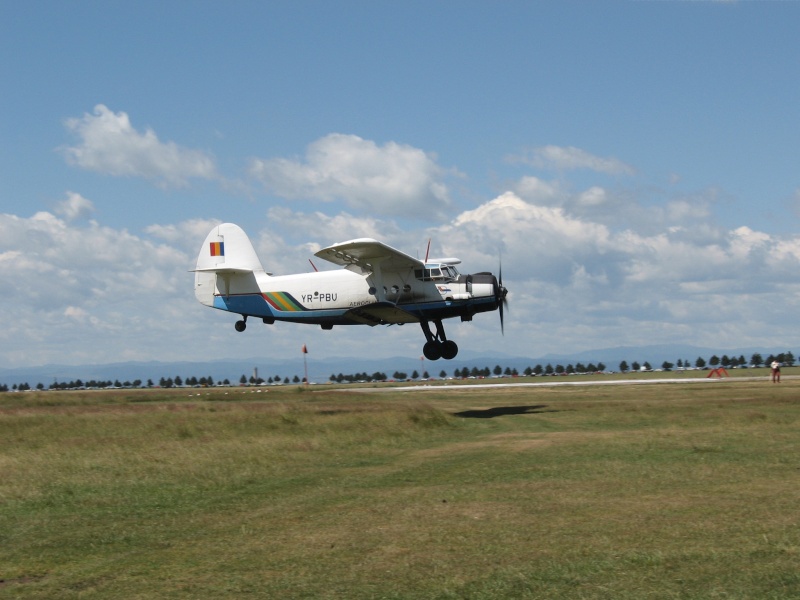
403 376
756 360
164 382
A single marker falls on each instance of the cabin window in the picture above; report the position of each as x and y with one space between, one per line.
423 274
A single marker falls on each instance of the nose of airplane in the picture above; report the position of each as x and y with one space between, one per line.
487 285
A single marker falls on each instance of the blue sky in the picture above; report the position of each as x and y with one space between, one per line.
635 163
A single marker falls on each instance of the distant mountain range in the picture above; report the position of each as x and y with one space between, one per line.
319 370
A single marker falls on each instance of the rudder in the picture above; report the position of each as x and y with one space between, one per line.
227 264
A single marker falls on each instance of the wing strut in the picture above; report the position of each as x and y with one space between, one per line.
377 278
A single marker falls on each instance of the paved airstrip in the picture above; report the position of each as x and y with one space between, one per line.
417 387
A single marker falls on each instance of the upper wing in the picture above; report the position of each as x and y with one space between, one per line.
366 254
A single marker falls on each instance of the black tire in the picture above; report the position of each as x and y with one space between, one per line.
449 350
432 350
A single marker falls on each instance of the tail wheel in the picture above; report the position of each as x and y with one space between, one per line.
240 326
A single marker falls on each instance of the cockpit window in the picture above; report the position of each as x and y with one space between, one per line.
436 273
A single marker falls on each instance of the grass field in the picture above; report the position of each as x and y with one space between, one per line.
637 491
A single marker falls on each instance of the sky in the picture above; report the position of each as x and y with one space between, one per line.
632 165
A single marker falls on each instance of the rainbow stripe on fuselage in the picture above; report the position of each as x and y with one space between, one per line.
283 302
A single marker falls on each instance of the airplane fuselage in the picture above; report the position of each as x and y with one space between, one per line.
325 297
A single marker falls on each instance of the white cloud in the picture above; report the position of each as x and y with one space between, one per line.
327 229
569 158
109 144
78 314
543 238
75 206
291 238
593 197
690 284
93 294
86 293
620 208
186 235
83 292
538 191
393 179
84 261
684 210
745 241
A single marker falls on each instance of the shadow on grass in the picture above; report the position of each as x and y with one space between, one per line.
501 411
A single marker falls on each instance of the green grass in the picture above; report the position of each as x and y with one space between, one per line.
653 491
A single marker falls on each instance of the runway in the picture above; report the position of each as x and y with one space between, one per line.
422 387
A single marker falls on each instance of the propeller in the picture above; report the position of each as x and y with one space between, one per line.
500 293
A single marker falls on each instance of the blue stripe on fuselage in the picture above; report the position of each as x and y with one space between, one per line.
256 306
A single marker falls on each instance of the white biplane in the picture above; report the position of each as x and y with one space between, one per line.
377 286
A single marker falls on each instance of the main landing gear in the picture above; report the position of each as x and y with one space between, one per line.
437 346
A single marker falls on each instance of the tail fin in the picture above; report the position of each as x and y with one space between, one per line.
227 264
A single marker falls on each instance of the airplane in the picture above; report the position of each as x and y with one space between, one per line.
377 286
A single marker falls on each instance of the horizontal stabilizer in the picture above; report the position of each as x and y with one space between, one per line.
222 270
380 313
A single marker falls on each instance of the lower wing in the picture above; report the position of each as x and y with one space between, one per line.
380 313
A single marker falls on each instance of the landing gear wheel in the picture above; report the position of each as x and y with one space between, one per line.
432 350
240 326
449 349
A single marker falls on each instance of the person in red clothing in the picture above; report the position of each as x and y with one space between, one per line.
776 371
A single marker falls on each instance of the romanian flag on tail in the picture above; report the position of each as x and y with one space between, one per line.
217 248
